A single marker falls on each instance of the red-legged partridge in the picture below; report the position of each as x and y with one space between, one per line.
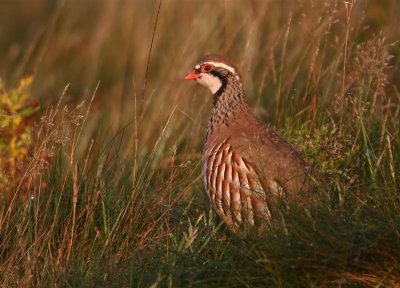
246 164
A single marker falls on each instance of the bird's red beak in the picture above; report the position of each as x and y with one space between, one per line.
193 75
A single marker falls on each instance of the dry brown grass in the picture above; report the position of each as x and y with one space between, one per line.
113 182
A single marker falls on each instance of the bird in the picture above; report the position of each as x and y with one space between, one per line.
246 165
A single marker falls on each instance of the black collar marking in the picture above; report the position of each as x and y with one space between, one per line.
223 81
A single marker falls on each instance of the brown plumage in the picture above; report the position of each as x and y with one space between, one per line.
246 164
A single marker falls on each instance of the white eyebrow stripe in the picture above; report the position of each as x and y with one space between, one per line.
222 65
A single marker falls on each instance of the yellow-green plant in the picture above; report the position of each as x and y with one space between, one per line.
16 128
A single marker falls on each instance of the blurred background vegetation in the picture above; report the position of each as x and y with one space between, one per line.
104 186
82 43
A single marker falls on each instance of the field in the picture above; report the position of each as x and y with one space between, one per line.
101 142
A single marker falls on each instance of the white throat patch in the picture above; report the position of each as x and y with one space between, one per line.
212 82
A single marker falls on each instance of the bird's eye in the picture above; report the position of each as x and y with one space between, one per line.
206 68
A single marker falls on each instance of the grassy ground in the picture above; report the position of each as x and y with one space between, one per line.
102 187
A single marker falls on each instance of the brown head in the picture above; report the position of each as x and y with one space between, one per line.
213 71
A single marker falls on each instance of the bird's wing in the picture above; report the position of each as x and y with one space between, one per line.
276 162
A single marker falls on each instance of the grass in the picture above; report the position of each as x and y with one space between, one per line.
110 192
